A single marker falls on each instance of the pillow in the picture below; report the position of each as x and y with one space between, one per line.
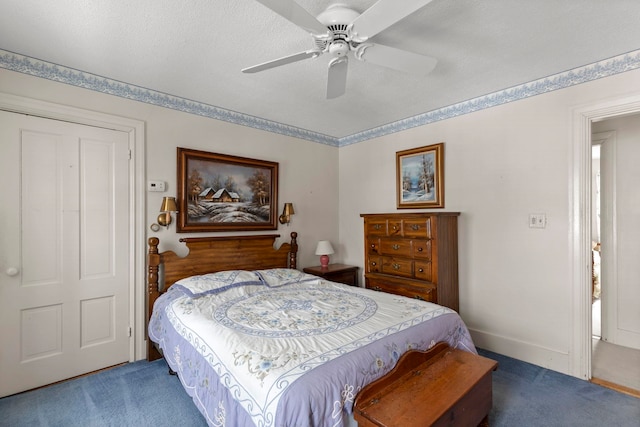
274 277
214 283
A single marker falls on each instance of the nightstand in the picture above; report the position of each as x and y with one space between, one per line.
341 273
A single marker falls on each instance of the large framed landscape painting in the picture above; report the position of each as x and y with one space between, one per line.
420 177
219 192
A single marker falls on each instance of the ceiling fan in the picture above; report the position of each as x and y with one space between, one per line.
340 30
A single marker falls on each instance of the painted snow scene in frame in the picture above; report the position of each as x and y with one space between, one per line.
219 192
420 177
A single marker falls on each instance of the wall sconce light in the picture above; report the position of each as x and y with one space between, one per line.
285 218
168 206
324 249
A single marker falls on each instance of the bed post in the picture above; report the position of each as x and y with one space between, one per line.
153 262
294 250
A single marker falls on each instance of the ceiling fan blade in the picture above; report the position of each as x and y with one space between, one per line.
397 59
282 61
382 15
295 13
337 83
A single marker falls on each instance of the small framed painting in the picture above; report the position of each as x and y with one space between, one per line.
219 192
420 177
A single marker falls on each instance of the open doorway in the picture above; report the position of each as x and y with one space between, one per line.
615 248
580 224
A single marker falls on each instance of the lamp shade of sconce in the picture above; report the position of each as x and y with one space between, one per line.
324 249
285 218
168 205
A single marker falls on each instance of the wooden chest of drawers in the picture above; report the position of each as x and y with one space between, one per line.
413 254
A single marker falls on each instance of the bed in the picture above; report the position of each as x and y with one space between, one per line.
255 341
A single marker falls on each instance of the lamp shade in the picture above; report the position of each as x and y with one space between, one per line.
324 248
288 209
168 205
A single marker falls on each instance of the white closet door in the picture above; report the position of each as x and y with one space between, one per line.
64 250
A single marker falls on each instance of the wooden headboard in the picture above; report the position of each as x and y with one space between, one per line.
211 254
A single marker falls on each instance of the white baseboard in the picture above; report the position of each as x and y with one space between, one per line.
521 350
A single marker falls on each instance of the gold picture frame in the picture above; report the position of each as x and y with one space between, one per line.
220 192
420 177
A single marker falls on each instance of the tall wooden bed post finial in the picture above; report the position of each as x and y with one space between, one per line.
293 255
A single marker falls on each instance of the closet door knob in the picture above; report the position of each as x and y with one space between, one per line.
12 271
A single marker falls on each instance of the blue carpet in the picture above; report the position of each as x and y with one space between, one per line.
136 394
143 394
531 396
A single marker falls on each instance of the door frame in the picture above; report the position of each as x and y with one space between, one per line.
137 207
580 224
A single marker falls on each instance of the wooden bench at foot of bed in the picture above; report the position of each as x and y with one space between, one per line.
439 387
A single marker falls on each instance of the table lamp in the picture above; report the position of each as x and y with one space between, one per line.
324 249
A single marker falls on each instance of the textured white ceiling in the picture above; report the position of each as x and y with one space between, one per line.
195 49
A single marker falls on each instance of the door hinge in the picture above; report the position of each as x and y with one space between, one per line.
130 154
130 331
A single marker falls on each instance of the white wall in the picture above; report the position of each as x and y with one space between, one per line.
501 164
308 172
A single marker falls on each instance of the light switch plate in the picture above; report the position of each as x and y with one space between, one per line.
538 220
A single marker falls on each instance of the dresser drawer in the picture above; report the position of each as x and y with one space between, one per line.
373 246
394 228
397 266
426 292
419 228
374 264
395 247
423 271
421 249
376 227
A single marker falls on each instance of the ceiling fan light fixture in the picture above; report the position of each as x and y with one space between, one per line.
339 48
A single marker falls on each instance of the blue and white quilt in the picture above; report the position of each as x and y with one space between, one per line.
283 348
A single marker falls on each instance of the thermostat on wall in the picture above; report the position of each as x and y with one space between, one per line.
155 186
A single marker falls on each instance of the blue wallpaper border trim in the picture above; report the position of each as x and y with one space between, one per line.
605 68
35 67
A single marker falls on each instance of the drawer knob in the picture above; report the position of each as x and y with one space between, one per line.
377 226
396 266
420 249
396 247
395 227
374 263
421 270
415 227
